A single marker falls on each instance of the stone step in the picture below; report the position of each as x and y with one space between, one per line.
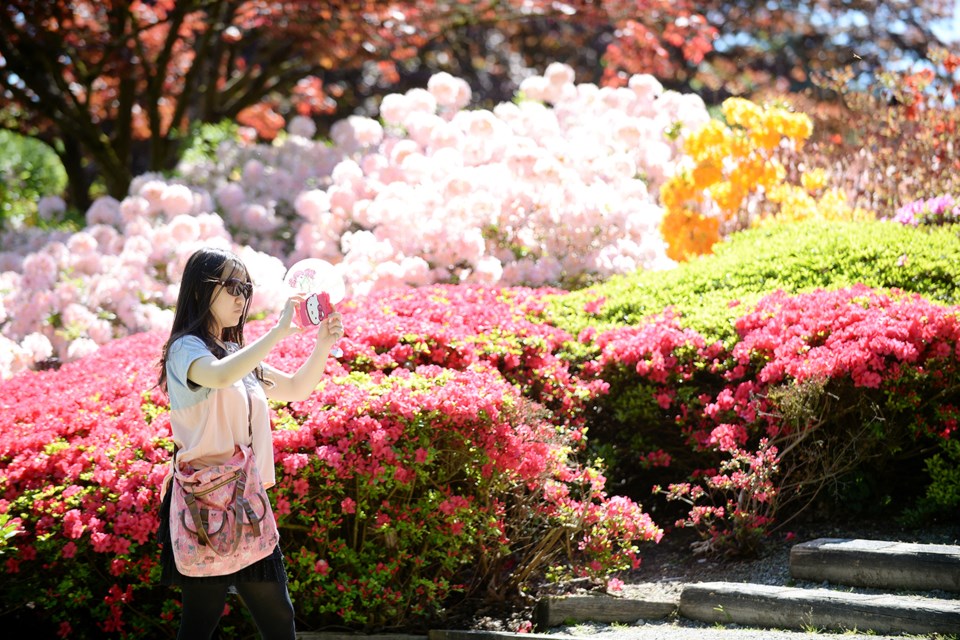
794 608
339 635
557 610
454 634
878 563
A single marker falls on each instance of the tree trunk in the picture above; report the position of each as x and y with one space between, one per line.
117 179
78 178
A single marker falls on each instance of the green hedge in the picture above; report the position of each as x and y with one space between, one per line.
794 257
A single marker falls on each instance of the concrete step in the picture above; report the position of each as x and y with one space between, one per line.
794 608
878 563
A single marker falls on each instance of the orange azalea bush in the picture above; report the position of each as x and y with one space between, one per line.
742 171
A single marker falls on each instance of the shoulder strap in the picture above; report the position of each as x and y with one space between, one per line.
249 411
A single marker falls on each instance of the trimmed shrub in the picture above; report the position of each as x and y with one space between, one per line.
707 294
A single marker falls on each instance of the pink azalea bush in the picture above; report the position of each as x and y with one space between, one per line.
431 464
440 457
817 385
556 188
80 472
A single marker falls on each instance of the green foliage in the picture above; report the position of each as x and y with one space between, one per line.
794 257
202 144
29 170
943 492
8 529
944 470
840 441
422 528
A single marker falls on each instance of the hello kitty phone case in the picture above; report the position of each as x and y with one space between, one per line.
314 309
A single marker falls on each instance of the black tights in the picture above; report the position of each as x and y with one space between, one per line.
268 602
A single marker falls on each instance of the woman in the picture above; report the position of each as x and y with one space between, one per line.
208 372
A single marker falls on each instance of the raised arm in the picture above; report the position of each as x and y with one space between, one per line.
298 386
218 374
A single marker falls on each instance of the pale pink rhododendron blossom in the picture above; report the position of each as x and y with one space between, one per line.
230 196
394 108
302 126
81 347
105 210
13 357
184 228
152 191
450 92
259 219
423 101
38 347
560 186
133 208
313 204
50 207
176 200
356 133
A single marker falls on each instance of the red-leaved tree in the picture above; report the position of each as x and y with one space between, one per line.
113 86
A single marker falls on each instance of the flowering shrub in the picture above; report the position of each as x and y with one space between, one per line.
710 293
79 472
659 430
738 175
868 373
431 192
70 293
932 211
429 465
816 386
851 332
655 372
733 508
445 483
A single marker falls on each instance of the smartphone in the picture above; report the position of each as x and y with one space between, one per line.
314 309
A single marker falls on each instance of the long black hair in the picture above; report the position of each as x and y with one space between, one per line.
203 272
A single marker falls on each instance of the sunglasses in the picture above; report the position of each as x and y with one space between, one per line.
236 287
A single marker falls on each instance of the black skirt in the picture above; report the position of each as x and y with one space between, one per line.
269 569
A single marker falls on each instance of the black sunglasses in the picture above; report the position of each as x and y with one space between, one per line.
236 287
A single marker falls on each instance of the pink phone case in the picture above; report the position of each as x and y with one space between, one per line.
314 309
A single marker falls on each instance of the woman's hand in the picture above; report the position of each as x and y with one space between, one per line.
330 330
285 325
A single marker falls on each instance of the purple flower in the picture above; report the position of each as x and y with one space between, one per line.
932 211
